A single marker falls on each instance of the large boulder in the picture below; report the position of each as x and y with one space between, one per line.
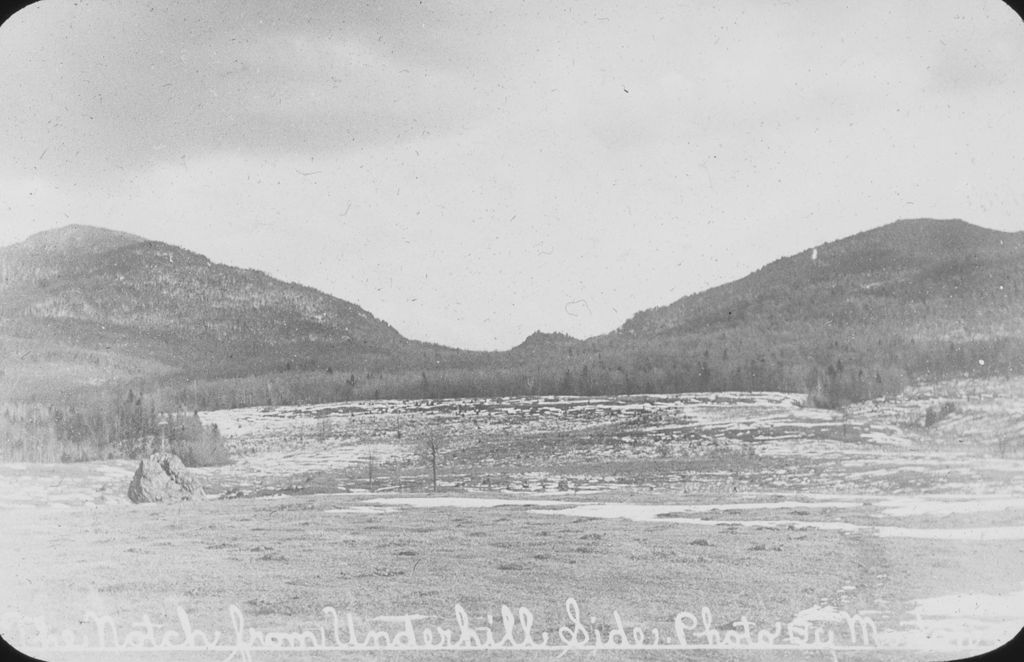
163 477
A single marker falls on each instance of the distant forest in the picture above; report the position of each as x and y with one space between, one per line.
832 369
133 420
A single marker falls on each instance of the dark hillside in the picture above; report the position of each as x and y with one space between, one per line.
105 291
925 274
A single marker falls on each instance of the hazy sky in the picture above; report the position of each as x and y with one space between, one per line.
473 171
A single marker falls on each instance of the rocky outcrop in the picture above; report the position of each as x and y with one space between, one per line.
163 477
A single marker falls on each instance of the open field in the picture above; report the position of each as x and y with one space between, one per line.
648 506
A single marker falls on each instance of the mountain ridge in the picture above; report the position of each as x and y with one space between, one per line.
912 298
99 288
77 236
888 252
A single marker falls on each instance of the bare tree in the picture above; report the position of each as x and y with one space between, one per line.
430 451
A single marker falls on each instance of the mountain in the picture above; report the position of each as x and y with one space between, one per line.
87 295
540 342
853 318
934 279
917 299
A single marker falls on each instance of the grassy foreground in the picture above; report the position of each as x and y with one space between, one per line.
280 561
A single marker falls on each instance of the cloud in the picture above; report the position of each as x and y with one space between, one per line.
464 170
127 88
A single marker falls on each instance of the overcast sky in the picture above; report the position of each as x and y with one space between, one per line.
473 171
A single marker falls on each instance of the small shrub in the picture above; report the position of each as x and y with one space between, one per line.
200 446
201 453
833 386
936 413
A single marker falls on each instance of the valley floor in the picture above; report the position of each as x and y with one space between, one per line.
640 511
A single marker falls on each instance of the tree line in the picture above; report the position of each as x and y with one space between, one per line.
121 421
105 427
